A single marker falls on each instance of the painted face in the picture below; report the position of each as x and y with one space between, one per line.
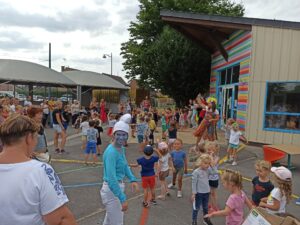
120 138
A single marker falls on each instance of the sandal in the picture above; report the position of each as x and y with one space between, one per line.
145 204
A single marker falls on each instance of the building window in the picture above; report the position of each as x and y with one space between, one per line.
230 75
282 109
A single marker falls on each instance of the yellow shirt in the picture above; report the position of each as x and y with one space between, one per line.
152 125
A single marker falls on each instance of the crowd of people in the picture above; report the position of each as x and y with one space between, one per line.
22 135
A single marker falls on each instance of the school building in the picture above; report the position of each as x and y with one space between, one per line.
255 71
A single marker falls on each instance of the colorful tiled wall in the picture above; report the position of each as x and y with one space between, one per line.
238 47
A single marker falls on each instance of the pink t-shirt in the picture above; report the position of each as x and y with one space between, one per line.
236 204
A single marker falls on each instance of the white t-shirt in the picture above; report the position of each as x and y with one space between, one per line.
28 191
275 193
164 162
27 103
234 137
84 126
12 108
45 108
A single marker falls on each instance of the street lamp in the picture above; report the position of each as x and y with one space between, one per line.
111 61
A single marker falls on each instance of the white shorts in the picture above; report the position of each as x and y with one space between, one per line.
57 128
171 141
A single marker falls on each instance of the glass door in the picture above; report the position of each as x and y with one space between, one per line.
228 103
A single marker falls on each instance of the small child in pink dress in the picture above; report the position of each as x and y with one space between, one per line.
234 209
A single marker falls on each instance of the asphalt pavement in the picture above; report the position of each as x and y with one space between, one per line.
82 184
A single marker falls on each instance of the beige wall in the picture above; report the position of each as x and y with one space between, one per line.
275 57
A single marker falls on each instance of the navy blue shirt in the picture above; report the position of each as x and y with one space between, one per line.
173 133
147 165
178 158
261 190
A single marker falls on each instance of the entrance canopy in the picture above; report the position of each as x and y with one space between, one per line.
209 31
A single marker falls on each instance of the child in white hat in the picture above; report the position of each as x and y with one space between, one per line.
281 194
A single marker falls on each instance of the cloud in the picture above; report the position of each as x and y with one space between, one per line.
12 40
92 47
93 20
127 14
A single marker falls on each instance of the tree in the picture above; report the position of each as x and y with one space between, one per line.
161 58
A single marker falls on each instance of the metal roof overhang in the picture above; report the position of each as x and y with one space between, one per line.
208 33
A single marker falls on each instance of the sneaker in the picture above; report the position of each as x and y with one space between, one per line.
145 204
62 151
168 193
179 194
153 201
57 150
298 201
207 221
171 186
194 222
234 163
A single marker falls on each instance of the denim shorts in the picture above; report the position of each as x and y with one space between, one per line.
233 146
57 128
91 148
140 138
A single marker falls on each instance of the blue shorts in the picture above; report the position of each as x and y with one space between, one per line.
233 146
91 147
140 138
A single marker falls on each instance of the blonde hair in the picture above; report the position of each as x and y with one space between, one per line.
16 127
203 158
285 187
234 177
213 144
178 139
263 164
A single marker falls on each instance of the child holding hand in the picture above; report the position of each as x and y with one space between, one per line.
200 188
147 162
281 194
234 209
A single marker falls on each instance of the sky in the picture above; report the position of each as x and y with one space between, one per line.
82 31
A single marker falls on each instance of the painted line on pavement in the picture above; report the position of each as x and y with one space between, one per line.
72 136
103 210
78 169
74 161
98 184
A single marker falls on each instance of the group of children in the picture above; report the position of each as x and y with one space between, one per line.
170 158
272 195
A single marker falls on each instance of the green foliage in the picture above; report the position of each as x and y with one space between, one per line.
161 58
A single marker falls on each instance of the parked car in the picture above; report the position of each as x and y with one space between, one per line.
21 97
66 98
38 98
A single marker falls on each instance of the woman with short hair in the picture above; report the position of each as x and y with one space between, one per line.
31 191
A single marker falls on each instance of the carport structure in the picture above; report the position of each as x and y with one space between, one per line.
17 72
80 83
99 85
